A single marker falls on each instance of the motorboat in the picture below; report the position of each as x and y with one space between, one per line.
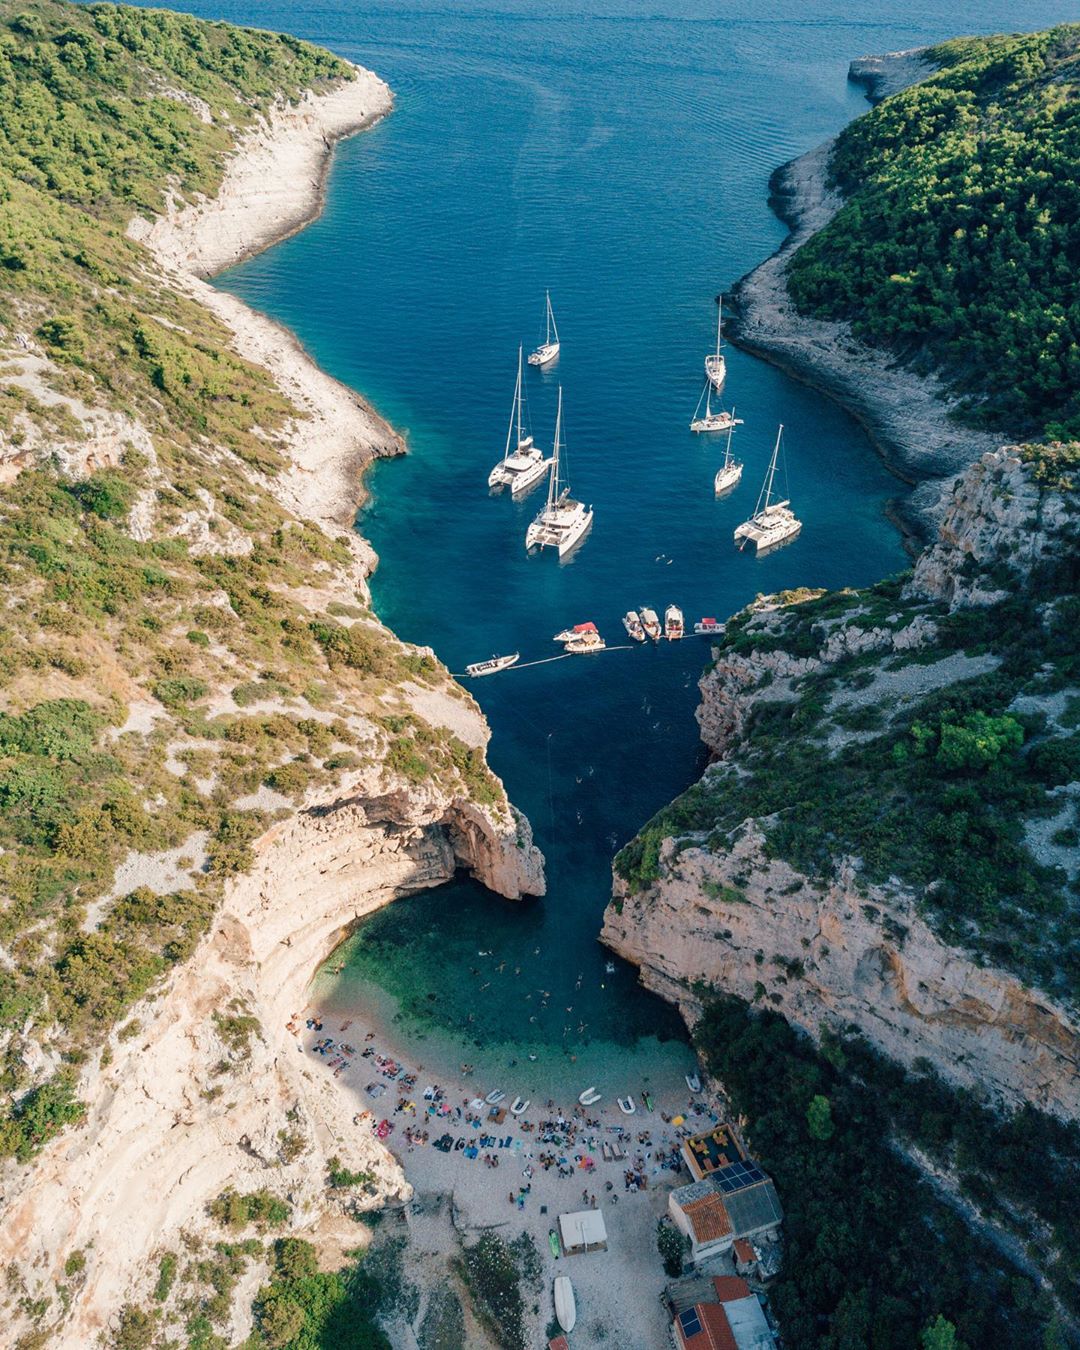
633 627
589 1097
627 1106
569 634
708 627
674 626
549 348
492 665
651 623
587 641
715 364
563 522
523 466
565 1304
773 522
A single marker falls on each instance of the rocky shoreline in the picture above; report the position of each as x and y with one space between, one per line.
905 414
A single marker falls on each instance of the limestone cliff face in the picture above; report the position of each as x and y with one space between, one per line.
730 915
998 529
842 955
179 1114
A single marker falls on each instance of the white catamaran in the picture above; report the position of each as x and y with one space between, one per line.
549 348
729 473
715 365
773 523
523 467
563 521
712 421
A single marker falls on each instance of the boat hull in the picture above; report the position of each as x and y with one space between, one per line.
727 479
543 356
565 1304
715 370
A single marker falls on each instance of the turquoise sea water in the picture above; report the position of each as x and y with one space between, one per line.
618 153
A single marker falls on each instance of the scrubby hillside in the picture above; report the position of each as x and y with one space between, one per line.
212 756
886 847
957 247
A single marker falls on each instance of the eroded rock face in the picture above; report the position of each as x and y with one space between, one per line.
998 528
727 917
169 1128
837 956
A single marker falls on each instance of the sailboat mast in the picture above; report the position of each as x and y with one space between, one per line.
727 448
515 412
517 397
719 320
772 467
553 477
547 318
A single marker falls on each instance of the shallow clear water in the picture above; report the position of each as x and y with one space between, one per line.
620 155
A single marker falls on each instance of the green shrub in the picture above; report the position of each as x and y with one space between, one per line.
260 1208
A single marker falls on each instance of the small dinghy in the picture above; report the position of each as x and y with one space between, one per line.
693 1082
565 1304
589 1097
627 1106
494 1096
494 664
519 1107
650 623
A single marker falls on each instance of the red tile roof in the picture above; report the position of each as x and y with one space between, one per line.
559 1343
730 1287
715 1333
708 1218
744 1252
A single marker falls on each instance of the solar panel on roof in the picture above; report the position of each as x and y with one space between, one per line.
690 1322
736 1176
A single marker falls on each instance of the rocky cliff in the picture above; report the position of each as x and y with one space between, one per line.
228 759
795 873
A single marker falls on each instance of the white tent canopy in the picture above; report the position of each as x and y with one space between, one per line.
583 1231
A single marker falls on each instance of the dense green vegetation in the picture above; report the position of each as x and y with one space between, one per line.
260 669
936 792
958 246
303 1308
873 1257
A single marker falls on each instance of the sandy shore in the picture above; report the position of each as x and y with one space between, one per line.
905 414
547 1160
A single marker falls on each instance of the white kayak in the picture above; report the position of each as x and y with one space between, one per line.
565 1303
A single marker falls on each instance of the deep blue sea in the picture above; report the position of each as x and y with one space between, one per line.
618 153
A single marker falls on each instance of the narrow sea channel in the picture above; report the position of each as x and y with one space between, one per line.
618 153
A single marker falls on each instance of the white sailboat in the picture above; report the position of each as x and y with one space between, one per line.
549 348
563 521
715 365
773 523
523 467
729 474
712 421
